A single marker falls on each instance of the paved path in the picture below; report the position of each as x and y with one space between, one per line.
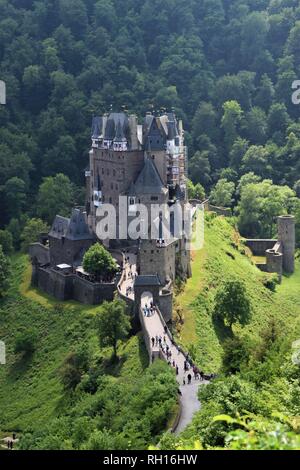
155 328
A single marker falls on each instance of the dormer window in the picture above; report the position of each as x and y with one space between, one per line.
132 201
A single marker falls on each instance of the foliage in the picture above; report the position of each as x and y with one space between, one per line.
55 197
222 194
4 273
260 204
31 232
232 304
6 241
26 342
75 364
112 323
99 262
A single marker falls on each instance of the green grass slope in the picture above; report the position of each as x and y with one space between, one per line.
30 391
223 258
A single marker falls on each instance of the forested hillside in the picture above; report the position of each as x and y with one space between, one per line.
226 67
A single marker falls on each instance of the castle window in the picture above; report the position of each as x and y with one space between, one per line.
107 172
110 200
154 198
111 186
114 172
102 171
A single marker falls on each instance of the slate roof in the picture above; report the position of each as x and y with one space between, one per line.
150 280
117 123
120 137
97 125
74 228
59 227
149 180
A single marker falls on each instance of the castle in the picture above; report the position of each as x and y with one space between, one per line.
130 165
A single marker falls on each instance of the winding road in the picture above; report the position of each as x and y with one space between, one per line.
156 328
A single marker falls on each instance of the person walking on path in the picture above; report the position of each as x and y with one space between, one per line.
189 379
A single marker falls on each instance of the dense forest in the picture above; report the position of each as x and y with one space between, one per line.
226 67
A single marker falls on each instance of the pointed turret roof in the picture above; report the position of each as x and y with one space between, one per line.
149 180
119 137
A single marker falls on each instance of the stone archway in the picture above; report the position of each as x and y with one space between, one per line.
146 299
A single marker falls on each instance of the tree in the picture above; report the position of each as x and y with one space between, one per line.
232 304
278 121
205 121
112 324
237 153
55 197
33 228
199 168
235 355
15 196
222 194
255 126
25 342
4 273
257 160
99 262
195 191
74 366
260 204
265 93
6 241
230 122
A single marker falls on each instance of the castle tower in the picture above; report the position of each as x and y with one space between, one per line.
286 236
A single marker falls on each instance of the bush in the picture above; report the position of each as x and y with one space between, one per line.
6 241
270 282
73 368
26 342
4 273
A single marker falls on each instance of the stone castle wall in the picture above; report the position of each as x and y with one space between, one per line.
72 287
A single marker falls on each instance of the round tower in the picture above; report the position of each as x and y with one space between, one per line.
286 236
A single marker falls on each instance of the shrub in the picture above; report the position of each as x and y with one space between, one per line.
26 342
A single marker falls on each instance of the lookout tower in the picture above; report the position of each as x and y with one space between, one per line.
286 236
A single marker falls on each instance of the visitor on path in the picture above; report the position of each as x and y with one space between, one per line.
177 370
184 382
153 342
189 379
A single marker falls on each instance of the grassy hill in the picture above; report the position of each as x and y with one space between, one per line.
223 257
30 391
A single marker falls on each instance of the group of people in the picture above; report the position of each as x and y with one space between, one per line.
149 312
189 369
10 445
